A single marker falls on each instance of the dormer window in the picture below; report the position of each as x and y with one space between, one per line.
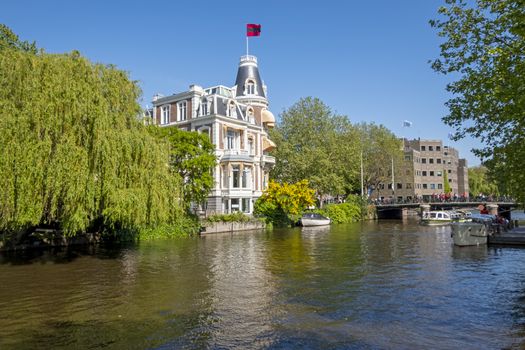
250 88
249 114
165 114
181 111
231 111
203 108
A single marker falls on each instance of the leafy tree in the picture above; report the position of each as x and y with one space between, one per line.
480 182
315 144
9 40
280 203
446 184
484 45
73 153
380 147
192 158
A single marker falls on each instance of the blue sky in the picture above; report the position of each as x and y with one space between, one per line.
365 59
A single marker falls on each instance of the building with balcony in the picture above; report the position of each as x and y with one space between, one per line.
236 119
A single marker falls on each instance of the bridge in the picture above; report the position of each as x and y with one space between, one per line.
402 210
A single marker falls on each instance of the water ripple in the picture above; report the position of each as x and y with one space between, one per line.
360 286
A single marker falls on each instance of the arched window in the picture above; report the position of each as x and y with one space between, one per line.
231 110
250 87
250 115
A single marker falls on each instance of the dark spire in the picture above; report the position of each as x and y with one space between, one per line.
248 82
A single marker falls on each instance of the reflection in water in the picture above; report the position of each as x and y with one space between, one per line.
390 284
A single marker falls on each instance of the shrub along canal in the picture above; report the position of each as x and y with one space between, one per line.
370 285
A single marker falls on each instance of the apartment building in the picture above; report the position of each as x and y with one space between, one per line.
427 166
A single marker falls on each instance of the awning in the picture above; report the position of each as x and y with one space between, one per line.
268 118
268 144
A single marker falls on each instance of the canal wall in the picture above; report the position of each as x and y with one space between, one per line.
217 227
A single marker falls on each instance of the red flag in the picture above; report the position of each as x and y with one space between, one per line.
253 29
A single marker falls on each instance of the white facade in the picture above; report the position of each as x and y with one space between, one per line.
236 119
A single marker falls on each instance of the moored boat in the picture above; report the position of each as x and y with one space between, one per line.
474 232
313 219
469 233
463 216
444 217
438 217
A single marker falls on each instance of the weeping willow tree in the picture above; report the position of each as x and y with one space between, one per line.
72 152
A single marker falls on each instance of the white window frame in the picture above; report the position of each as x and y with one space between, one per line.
251 146
182 111
165 114
236 177
246 204
246 177
250 115
230 139
250 87
203 108
231 109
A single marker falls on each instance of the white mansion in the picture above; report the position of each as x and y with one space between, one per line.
236 119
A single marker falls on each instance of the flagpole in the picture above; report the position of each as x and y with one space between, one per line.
246 45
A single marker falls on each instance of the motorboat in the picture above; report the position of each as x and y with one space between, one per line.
444 217
313 219
437 217
463 216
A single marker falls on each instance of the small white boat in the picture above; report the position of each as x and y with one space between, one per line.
464 216
438 217
313 219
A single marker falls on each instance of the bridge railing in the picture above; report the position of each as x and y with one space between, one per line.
437 199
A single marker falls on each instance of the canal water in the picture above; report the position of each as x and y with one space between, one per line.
377 285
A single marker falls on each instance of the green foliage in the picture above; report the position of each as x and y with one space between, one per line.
484 43
233 217
192 158
379 146
9 40
72 152
281 203
185 227
446 184
350 211
315 144
480 182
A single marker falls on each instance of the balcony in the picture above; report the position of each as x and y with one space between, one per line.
267 159
237 192
235 152
236 155
248 58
